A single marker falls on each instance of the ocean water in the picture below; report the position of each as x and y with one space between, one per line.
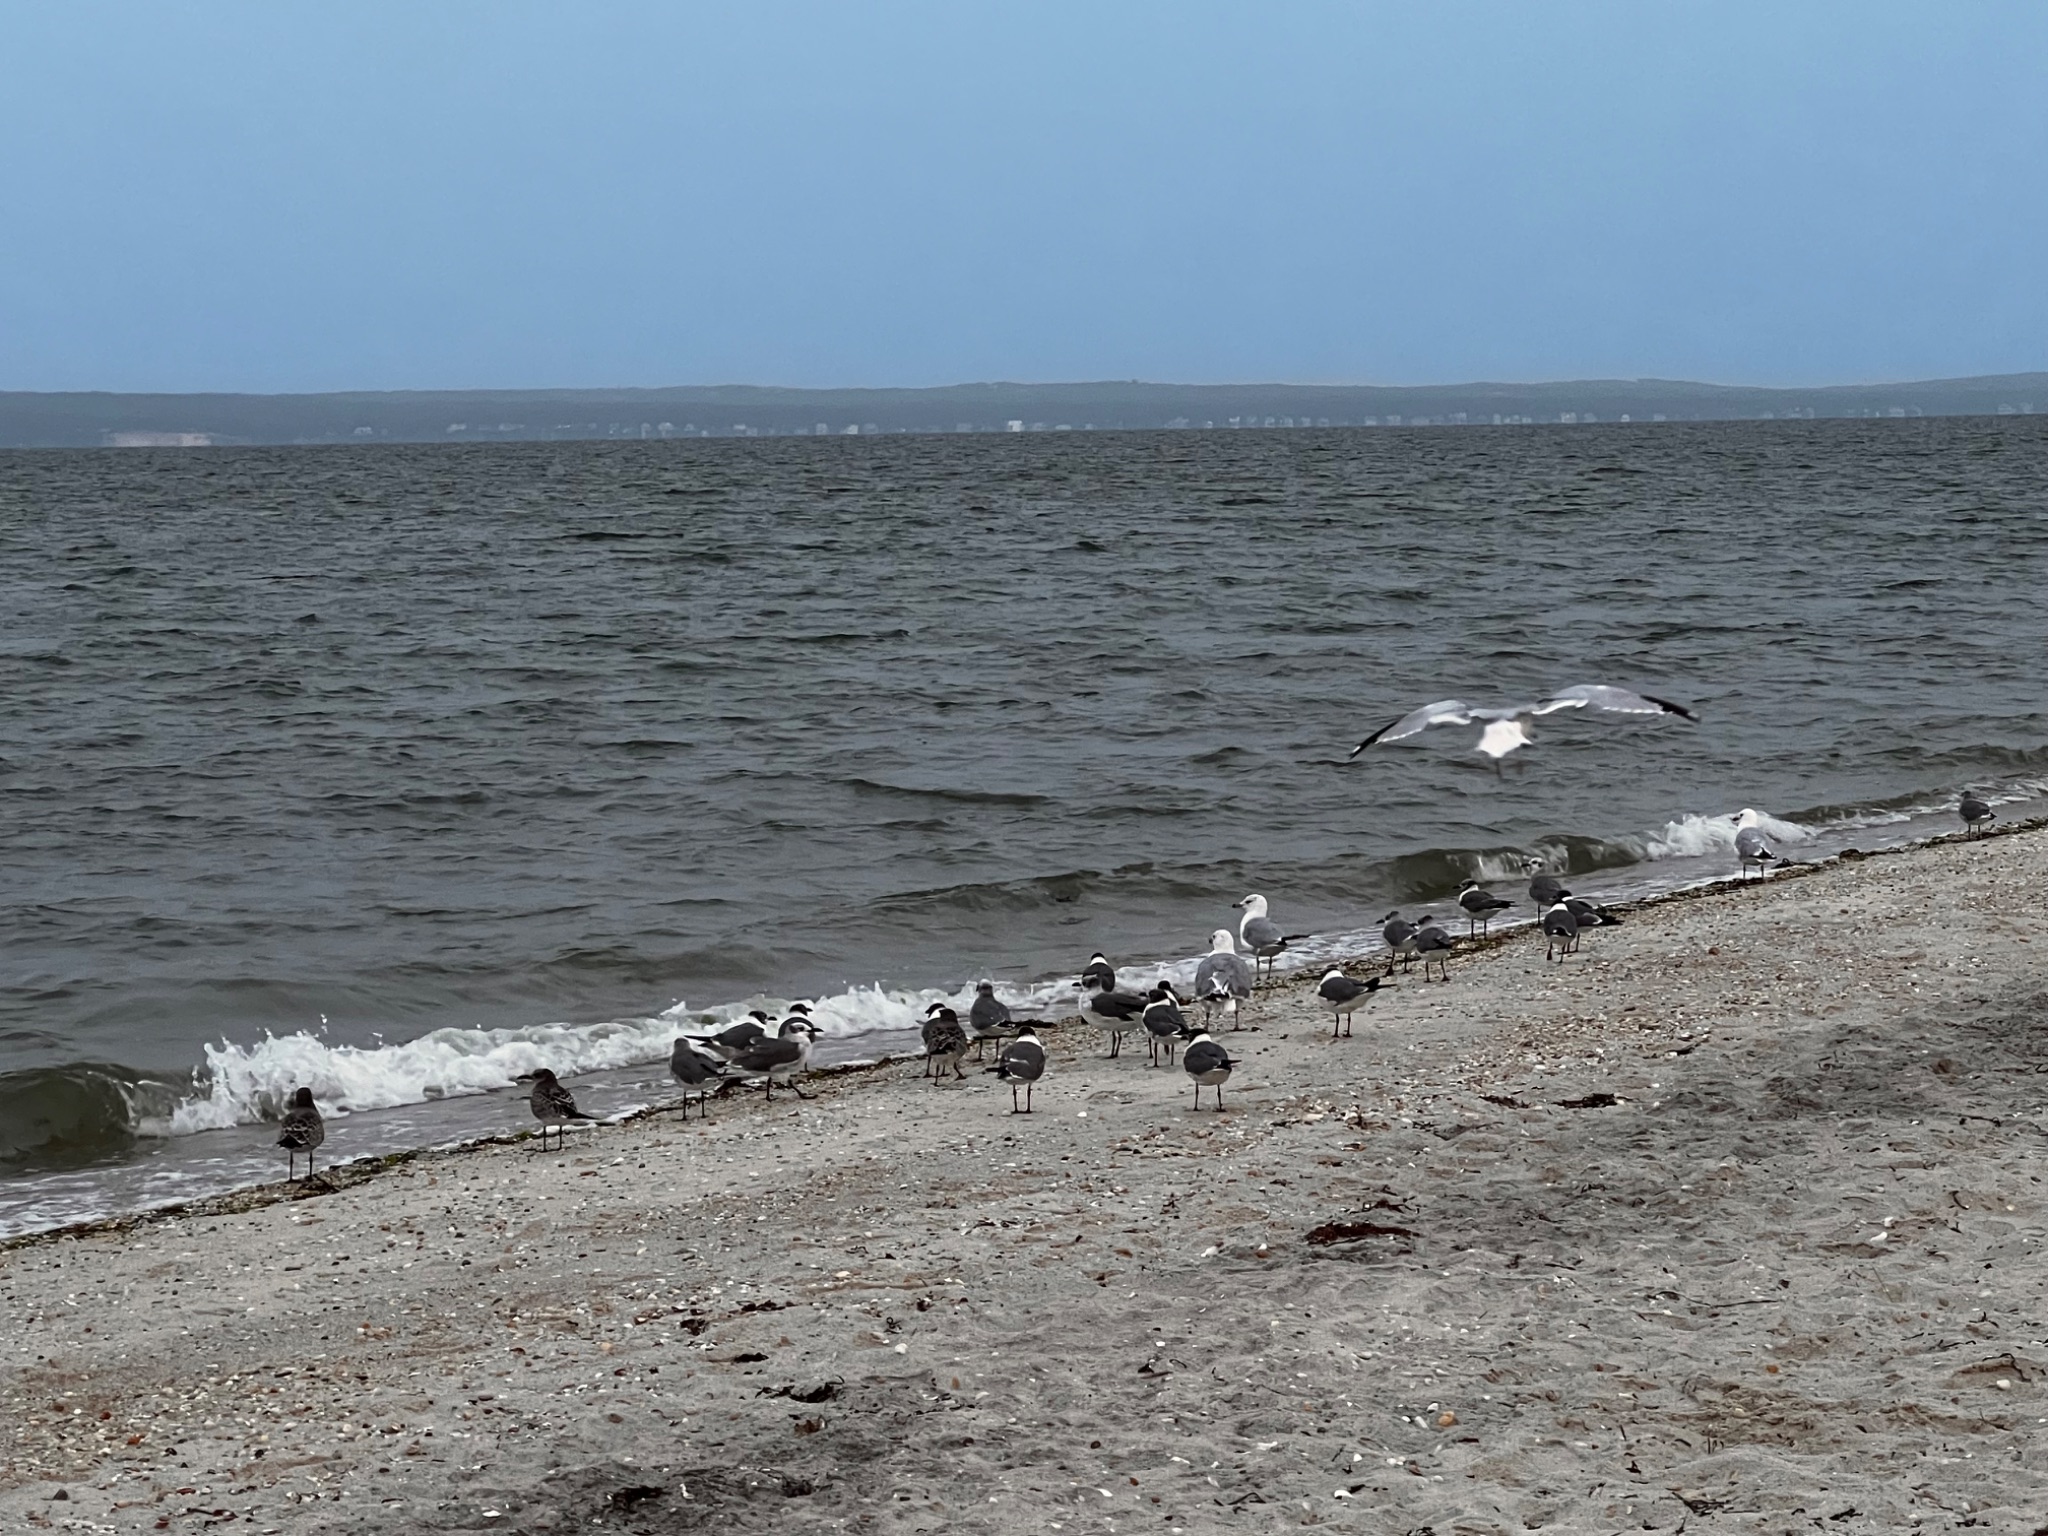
400 771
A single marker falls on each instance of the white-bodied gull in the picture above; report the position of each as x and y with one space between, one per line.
1224 977
1751 847
1506 727
1261 936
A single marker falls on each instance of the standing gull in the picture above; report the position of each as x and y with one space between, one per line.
1399 935
1750 845
553 1106
1546 890
693 1069
1560 932
1262 937
781 1059
987 1018
734 1038
1435 946
1224 978
945 1042
1208 1064
1021 1061
1507 727
1163 1022
1480 906
1343 994
1588 914
1115 1013
1975 812
301 1130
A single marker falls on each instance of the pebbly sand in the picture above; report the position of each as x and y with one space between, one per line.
1790 1279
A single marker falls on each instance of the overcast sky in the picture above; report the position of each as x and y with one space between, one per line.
404 195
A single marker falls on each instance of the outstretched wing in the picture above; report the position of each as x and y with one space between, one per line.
1615 701
1443 712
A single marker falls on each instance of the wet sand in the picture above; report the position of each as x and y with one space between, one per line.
1732 1222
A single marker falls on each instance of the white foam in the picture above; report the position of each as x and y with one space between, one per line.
1693 836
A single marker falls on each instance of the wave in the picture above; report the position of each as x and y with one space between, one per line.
90 1113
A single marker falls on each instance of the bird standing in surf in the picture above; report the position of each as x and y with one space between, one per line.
301 1130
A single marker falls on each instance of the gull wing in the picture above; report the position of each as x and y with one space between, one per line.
1443 712
1615 701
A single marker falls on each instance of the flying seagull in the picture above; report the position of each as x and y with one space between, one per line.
1974 812
1343 994
1480 906
552 1106
1208 1064
1021 1061
301 1130
1261 935
1224 977
1750 844
1507 727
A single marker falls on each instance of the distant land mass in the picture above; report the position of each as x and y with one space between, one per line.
77 420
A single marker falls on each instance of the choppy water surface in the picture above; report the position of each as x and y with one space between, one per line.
400 771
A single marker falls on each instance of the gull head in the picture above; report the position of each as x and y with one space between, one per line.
1221 943
1746 818
987 988
1469 885
1254 905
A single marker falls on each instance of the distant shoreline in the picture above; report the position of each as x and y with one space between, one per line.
85 419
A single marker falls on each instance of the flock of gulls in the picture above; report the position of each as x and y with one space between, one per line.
759 1050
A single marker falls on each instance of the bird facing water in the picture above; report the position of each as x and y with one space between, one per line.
552 1105
301 1130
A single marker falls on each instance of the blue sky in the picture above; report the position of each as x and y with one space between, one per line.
358 194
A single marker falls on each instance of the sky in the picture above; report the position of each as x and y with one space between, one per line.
246 195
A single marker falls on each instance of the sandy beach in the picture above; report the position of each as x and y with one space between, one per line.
1729 1223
